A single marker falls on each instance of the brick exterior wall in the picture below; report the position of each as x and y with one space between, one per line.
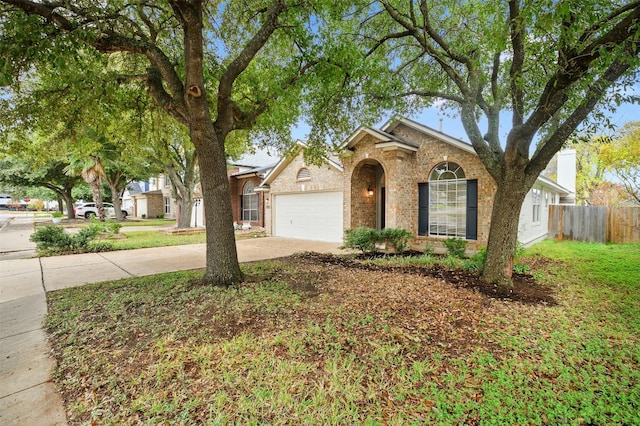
323 178
403 171
236 186
363 206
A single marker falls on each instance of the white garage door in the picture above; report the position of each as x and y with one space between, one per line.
313 216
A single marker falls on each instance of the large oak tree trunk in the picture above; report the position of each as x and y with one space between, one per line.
503 236
222 267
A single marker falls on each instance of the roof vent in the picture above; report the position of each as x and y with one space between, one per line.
303 174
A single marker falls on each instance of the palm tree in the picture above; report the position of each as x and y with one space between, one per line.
91 169
89 162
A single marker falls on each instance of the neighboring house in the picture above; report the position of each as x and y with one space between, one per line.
151 198
245 177
404 175
154 196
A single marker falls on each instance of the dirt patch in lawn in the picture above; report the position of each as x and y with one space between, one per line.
525 288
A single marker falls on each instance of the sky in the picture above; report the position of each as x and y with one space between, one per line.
452 125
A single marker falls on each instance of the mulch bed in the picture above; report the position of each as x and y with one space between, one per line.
525 288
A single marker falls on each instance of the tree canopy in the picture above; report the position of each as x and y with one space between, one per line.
622 158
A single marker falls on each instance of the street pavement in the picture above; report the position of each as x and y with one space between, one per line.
27 393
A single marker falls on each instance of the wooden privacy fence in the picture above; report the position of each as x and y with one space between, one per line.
595 223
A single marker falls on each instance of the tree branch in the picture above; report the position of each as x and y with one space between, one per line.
242 61
515 71
44 10
547 149
422 41
609 18
386 38
554 94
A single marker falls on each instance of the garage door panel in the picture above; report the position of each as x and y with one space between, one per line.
312 216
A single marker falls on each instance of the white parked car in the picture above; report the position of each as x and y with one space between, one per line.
87 210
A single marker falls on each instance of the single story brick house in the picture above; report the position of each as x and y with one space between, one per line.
404 175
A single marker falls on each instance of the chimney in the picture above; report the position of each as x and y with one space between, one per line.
567 174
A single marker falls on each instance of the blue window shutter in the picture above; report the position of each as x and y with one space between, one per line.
472 210
423 208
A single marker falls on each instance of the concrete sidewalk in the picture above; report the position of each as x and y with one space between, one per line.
27 393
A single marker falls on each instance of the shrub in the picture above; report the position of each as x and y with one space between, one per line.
53 239
398 238
114 227
36 205
85 236
362 238
365 239
160 216
57 214
456 246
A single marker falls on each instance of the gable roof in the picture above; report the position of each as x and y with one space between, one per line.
256 171
386 140
285 160
257 158
393 123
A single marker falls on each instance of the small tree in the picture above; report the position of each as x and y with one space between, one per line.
622 158
590 168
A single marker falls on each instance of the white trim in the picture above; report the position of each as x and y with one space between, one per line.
392 145
553 185
360 133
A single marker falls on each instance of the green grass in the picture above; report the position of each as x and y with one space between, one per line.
617 265
78 223
166 349
146 239
149 222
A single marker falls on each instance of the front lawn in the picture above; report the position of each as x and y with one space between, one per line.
310 341
146 239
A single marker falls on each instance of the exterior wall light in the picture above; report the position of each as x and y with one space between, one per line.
369 191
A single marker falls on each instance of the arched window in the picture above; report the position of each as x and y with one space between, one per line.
249 203
447 201
303 174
